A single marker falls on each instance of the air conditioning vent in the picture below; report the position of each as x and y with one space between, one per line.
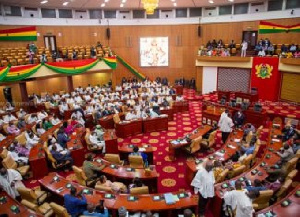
257 3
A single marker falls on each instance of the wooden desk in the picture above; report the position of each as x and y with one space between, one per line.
111 142
191 168
5 207
250 97
155 124
173 147
168 111
125 150
37 161
122 174
274 158
279 210
76 148
144 202
222 93
131 128
108 121
181 106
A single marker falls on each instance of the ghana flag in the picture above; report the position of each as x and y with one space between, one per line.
19 34
266 27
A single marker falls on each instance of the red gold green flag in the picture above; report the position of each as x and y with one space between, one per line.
266 27
72 67
19 34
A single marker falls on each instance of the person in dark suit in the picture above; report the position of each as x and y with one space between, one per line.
287 132
239 119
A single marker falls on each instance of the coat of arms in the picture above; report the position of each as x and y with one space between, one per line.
263 71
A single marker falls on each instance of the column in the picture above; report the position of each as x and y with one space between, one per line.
70 83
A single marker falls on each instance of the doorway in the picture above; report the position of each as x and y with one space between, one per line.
251 38
50 42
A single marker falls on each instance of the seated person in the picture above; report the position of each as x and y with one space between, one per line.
131 115
32 118
21 149
62 137
68 129
257 186
91 210
39 130
75 203
116 187
287 132
2 137
179 98
187 213
218 169
55 120
91 171
61 158
79 117
97 143
276 185
21 123
13 152
47 124
8 118
21 113
238 119
153 114
42 115
249 127
136 183
12 129
52 141
32 140
274 174
99 132
286 153
137 153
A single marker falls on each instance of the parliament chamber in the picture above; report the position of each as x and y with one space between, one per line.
149 108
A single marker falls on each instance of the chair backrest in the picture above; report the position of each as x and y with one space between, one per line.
51 159
59 211
9 163
136 161
47 105
87 135
27 194
222 176
249 136
238 171
80 176
139 190
247 160
113 158
291 164
212 138
263 200
259 131
284 188
116 118
292 174
103 188
21 138
5 126
4 153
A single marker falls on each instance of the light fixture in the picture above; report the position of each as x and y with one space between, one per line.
211 1
150 5
44 2
175 4
102 5
231 0
121 5
124 1
106 0
65 3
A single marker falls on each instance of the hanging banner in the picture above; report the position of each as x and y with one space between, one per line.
266 77
111 62
19 34
131 69
17 73
72 67
3 72
267 27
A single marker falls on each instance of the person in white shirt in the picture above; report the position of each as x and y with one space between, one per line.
21 113
55 120
96 142
2 137
225 125
153 114
41 115
39 129
179 98
78 117
63 107
240 200
15 155
59 148
31 141
244 48
89 109
10 181
203 184
130 115
261 53
32 118
9 117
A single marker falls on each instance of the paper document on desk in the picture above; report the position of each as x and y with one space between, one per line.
237 140
183 141
231 146
275 140
169 198
175 142
142 149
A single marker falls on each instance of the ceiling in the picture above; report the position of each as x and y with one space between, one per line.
115 4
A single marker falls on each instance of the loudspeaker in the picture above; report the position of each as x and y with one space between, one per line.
7 94
108 33
199 31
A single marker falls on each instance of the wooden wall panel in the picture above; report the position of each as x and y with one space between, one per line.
199 78
290 87
51 85
93 79
15 91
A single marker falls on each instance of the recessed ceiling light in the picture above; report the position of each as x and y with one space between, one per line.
123 1
44 2
175 4
121 5
103 5
106 0
231 0
173 0
211 1
65 3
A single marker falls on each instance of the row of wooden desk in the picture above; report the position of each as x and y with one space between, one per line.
125 129
258 171
125 150
245 97
142 203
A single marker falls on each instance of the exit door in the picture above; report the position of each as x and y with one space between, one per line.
50 42
251 38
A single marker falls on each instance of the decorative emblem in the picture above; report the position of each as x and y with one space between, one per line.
263 71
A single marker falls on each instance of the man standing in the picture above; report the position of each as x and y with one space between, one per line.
10 181
244 48
203 183
225 124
